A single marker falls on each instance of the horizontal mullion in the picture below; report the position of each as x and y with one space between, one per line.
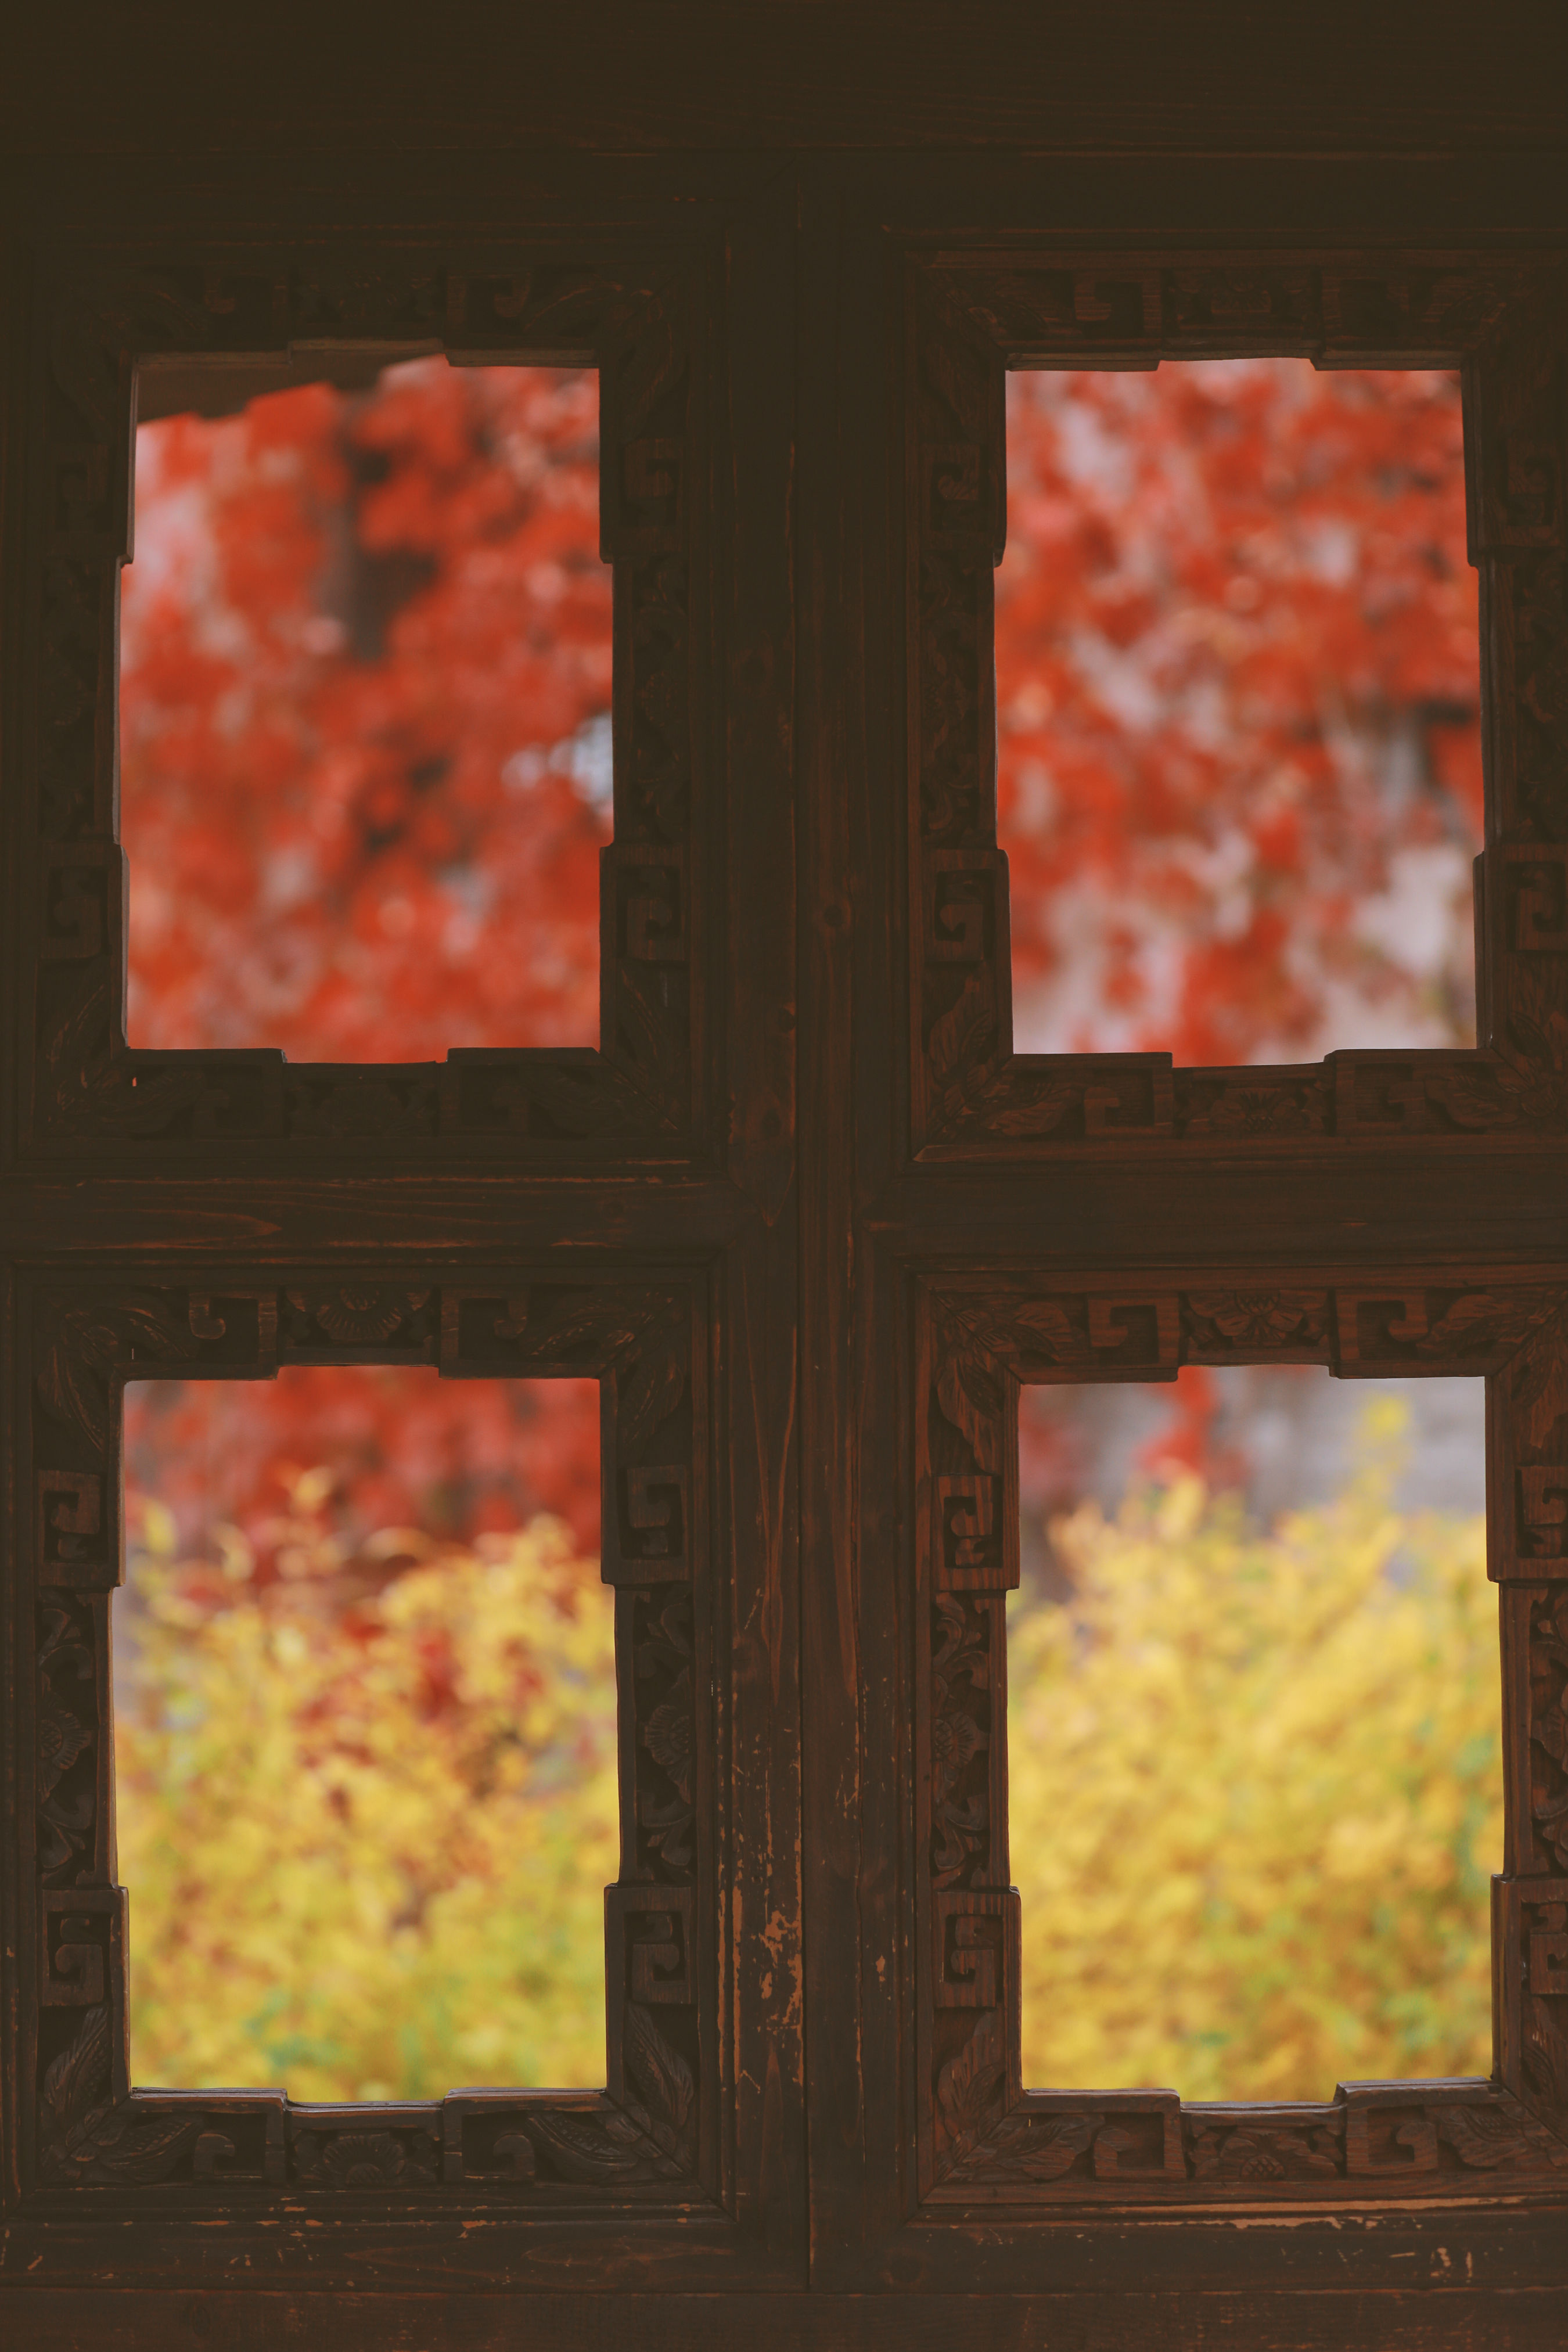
262 1220
1318 1207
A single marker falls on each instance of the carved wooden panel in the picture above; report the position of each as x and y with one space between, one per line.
892 2017
983 2136
968 316
652 2136
639 317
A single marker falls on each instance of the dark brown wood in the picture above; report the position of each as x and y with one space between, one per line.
1434 2319
806 1216
686 74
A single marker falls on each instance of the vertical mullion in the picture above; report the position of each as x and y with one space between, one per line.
756 1366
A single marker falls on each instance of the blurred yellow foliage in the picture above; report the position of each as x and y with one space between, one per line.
1256 1793
366 1846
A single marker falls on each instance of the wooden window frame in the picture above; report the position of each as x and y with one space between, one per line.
971 315
1026 1218
650 2140
510 1213
985 2138
1385 1211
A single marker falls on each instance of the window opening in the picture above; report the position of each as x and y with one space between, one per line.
364 713
1237 655
1254 1745
365 1733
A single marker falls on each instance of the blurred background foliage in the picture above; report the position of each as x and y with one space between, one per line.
364 694
1238 711
1255 1791
366 1809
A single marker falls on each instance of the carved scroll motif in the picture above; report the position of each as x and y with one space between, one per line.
664 1759
962 1673
600 2147
641 1341
377 2159
92 2134
89 1092
1531 1916
69 1734
975 1947
1547 1717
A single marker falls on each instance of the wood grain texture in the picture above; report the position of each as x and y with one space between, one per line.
791 74
824 202
1442 2319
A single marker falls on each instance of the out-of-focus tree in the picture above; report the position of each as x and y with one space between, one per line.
365 685
384 1446
1237 647
366 1813
366 1808
1255 1794
364 697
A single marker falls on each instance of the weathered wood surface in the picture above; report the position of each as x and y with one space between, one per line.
1442 2320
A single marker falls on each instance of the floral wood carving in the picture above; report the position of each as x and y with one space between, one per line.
90 1094
970 318
978 1340
92 2133
651 2133
90 2136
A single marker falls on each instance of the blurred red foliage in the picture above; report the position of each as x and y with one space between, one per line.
393 1446
364 697
1236 649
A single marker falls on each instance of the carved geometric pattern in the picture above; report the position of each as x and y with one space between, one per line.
650 2133
978 1340
970 318
89 1093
